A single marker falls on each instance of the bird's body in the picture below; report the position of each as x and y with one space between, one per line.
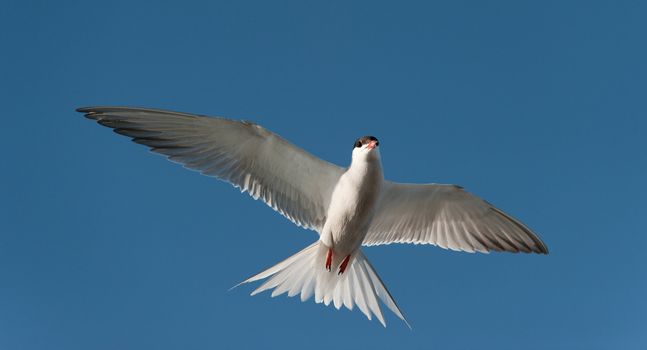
353 203
349 208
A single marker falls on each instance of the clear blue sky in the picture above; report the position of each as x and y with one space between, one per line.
539 107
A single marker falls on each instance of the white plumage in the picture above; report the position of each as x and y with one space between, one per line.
348 207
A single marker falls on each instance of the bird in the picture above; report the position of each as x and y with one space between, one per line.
350 208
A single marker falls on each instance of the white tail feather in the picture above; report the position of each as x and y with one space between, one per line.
304 274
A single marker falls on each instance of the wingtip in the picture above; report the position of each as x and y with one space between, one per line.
88 112
540 247
84 109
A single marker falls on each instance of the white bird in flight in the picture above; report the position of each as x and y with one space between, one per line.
349 207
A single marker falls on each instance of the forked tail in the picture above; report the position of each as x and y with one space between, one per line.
304 274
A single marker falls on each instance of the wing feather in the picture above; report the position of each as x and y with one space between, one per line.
449 217
288 179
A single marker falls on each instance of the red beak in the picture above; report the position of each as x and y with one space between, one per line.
371 144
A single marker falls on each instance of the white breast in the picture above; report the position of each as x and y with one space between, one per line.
352 205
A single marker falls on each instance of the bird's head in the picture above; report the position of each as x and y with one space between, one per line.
366 148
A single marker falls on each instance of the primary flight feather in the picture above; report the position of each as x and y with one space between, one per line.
349 207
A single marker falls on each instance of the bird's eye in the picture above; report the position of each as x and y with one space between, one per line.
358 143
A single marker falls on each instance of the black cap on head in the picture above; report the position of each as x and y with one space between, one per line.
364 140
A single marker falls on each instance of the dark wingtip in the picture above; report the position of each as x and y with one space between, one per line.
540 245
89 112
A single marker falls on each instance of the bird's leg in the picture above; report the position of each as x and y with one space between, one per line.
329 259
344 264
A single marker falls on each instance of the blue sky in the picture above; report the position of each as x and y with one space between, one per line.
539 107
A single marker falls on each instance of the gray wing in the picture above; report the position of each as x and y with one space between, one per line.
449 217
291 181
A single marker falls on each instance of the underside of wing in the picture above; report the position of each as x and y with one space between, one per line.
290 180
449 217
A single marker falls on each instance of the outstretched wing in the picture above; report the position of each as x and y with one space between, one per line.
290 180
449 217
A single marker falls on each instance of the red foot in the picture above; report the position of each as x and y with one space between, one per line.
343 265
329 259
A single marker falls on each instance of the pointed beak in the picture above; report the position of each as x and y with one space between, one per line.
371 144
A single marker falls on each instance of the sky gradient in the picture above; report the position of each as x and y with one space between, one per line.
538 107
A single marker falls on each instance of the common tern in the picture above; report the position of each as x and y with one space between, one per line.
348 207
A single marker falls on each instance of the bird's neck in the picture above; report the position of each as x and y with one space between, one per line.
366 169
